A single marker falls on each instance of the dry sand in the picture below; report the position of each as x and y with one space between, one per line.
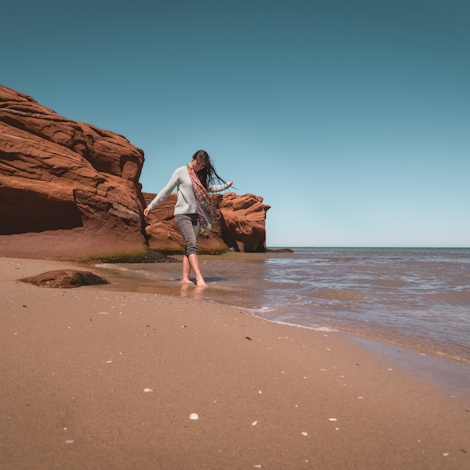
92 378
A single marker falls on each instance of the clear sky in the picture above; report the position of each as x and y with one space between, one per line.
350 118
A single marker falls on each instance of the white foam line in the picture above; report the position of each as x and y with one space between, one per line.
315 328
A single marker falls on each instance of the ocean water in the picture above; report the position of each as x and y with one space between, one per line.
418 298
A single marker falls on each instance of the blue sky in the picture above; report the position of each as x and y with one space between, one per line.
350 118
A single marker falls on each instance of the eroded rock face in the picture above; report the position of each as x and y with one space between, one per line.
66 188
241 225
244 222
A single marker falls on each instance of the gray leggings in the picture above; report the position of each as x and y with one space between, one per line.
188 225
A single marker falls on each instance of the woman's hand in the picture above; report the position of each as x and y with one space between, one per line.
146 211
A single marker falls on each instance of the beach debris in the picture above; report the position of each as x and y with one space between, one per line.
328 349
102 313
260 391
358 364
257 466
390 369
360 398
69 442
332 419
304 433
109 362
148 390
248 338
254 423
194 416
445 455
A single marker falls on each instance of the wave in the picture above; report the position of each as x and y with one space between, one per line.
388 283
342 295
452 297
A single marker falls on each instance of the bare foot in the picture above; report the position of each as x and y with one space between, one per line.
186 281
201 283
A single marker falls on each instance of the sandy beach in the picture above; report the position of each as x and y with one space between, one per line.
101 379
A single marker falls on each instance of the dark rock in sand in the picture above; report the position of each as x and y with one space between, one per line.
66 278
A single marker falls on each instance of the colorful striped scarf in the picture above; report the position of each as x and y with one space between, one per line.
206 208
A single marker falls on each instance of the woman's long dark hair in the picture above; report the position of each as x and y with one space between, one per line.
207 176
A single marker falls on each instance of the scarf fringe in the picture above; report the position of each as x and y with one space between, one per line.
206 208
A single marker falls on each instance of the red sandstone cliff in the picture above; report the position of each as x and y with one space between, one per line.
66 188
70 189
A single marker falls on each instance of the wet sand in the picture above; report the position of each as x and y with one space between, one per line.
99 379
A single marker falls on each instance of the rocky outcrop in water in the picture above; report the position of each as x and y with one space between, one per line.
244 222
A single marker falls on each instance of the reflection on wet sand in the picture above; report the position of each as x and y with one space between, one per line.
191 291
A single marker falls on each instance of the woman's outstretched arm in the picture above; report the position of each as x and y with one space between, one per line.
215 188
163 194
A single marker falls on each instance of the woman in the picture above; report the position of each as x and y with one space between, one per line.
194 211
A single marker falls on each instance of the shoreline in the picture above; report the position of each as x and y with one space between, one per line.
445 370
240 293
78 362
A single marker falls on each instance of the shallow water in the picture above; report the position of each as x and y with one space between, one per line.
419 298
